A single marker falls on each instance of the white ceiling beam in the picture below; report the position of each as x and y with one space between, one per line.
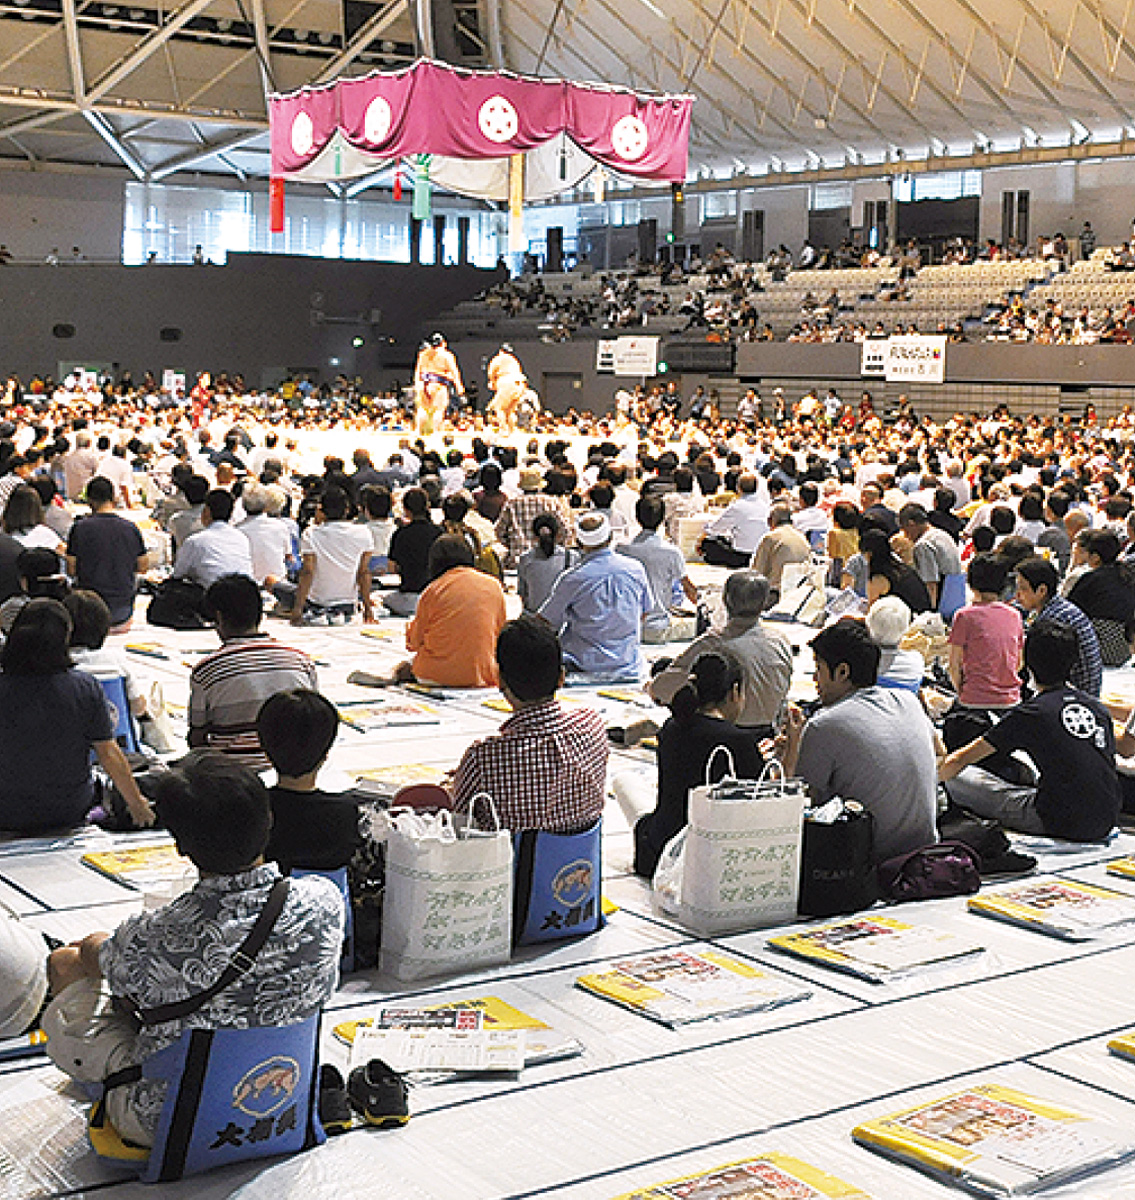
55 105
74 54
360 43
147 47
263 45
200 153
106 131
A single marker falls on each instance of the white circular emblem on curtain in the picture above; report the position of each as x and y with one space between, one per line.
303 135
629 138
377 121
498 120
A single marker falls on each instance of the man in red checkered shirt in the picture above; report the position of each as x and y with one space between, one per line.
547 766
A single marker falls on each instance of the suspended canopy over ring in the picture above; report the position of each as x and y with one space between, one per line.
472 124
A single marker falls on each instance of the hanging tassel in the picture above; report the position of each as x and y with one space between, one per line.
516 241
599 185
398 184
276 205
421 210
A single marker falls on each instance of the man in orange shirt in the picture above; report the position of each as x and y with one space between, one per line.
454 632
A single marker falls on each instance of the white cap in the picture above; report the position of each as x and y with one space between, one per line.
600 532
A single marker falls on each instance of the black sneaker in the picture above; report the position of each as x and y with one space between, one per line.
379 1095
335 1113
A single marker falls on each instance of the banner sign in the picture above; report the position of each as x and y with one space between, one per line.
636 355
916 358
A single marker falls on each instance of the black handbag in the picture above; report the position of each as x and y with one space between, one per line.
178 604
837 864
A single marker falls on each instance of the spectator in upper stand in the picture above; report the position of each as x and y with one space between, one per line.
546 767
935 552
219 549
1037 594
665 569
105 553
783 544
269 538
227 687
598 606
410 553
733 538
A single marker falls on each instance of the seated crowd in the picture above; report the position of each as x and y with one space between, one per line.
1006 545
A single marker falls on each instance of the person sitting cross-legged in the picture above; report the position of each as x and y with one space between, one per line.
227 687
598 607
1069 737
546 767
220 818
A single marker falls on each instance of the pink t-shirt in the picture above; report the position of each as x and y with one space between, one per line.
990 636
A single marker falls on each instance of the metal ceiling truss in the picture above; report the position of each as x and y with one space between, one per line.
821 80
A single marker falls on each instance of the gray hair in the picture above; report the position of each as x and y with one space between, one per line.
745 593
255 499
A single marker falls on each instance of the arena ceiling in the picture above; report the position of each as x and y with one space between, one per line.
817 84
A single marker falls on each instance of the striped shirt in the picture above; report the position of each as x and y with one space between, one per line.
227 688
1087 670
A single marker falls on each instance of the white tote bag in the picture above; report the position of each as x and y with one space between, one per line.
741 859
448 901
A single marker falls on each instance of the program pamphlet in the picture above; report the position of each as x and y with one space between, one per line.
1124 868
771 1177
1077 911
386 782
1123 1045
675 987
141 866
998 1142
875 948
383 714
542 1044
438 1039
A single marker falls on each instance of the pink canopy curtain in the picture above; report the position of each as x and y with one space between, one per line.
433 108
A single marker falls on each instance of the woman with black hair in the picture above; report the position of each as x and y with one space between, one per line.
51 717
888 575
540 567
1105 593
703 717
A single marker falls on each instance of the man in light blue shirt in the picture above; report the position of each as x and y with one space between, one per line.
598 607
665 569
219 549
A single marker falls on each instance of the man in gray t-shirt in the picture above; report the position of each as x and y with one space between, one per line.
868 743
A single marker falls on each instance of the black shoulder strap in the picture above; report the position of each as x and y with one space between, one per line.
240 963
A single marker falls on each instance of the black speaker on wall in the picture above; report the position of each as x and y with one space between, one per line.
555 248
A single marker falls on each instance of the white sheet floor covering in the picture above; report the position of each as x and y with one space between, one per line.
643 1103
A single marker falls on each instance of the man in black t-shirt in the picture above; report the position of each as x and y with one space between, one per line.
1070 739
105 552
409 553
